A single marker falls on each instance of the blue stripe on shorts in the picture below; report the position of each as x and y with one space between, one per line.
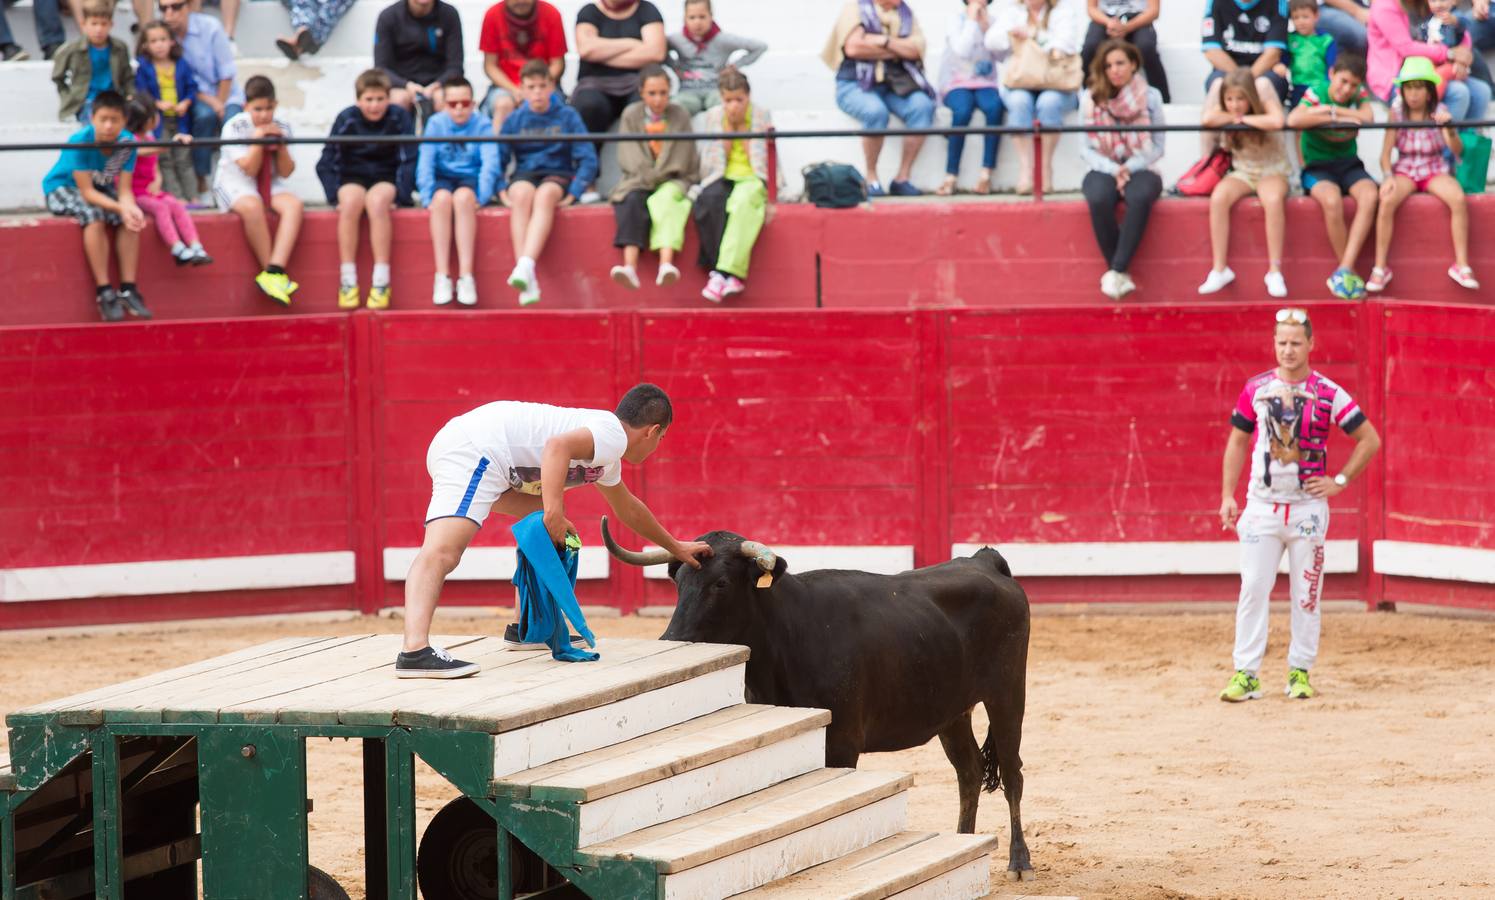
472 486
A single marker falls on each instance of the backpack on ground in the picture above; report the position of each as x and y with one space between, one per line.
834 185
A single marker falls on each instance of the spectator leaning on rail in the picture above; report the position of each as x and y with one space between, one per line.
208 53
968 81
94 63
615 39
1242 34
699 52
312 22
1391 42
1123 164
515 32
418 44
877 52
1056 30
1130 21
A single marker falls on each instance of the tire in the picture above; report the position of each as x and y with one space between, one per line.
321 886
458 856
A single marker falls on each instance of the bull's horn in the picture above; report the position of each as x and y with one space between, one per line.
634 557
765 557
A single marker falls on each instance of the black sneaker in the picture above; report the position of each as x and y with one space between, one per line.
13 53
512 641
110 308
50 51
134 303
433 662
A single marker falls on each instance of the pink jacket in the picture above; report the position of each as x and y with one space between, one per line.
1389 41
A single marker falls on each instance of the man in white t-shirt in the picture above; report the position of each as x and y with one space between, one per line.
515 458
1290 410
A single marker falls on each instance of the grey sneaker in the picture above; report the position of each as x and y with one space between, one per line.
110 308
433 662
512 641
134 303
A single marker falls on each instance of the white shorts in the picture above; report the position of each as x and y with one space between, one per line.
464 482
229 188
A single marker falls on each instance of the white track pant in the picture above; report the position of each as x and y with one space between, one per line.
1265 529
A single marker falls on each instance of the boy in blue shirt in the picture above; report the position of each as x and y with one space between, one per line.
547 174
93 187
453 180
93 63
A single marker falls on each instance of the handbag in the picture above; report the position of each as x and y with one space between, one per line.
1032 68
831 185
1474 166
1202 176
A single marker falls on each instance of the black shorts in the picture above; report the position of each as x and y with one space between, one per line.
1344 172
365 181
537 178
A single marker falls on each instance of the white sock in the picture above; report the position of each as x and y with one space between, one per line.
381 274
177 248
196 246
348 273
527 263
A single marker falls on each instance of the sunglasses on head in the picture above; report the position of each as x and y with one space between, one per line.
1293 316
459 104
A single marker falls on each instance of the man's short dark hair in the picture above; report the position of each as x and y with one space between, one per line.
1351 62
1294 5
110 100
535 68
456 81
645 405
259 87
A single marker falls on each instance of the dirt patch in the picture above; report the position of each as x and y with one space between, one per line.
1140 784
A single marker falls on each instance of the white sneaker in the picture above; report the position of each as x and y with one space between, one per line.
1108 285
1217 280
1276 286
521 276
667 276
467 290
1124 285
530 295
625 276
441 292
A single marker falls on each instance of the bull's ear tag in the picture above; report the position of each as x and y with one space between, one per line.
765 580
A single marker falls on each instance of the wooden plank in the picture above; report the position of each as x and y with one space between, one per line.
148 705
7 777
882 870
673 751
963 883
594 688
756 819
90 699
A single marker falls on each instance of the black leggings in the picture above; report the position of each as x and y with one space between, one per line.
1119 244
710 214
1146 41
598 110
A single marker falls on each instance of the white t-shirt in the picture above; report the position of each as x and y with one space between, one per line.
1291 421
512 436
229 175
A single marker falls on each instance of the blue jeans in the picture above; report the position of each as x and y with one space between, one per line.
49 31
871 107
1467 100
1482 32
1050 106
1346 30
206 124
963 103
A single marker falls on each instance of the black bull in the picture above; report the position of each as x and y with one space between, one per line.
897 659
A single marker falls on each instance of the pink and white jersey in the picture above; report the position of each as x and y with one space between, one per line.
1291 421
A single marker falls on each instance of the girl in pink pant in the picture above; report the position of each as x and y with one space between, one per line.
169 213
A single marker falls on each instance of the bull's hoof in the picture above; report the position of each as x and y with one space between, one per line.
1020 875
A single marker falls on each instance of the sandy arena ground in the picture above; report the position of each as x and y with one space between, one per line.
1140 784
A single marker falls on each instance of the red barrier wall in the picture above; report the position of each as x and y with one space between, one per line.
185 440
890 254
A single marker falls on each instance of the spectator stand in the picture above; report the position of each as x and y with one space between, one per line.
791 80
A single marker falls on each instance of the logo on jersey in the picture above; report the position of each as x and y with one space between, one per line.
526 479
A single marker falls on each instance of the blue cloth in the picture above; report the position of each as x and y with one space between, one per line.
147 82
537 155
465 163
211 57
107 167
872 107
1048 106
963 103
101 77
546 581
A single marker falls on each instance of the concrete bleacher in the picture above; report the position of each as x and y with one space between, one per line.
791 81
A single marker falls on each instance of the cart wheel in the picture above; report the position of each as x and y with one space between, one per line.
458 856
321 886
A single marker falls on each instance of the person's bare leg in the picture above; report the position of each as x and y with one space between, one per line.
667 256
1365 194
1225 195
441 230
143 10
630 257
1273 195
542 219
871 150
96 251
503 105
1050 144
379 201
1447 189
403 97
1024 145
251 211
291 212
441 549
465 223
521 202
911 146
127 251
230 11
1209 140
350 199
1327 195
1402 188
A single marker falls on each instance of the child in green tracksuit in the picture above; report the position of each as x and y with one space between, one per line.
733 200
1310 53
650 202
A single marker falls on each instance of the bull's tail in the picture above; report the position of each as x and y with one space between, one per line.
996 559
991 780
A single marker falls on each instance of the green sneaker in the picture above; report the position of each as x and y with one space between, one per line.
1243 686
1298 687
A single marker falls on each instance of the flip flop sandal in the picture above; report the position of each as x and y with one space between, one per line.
1463 276
1379 278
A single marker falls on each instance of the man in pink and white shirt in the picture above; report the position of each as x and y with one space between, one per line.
1290 411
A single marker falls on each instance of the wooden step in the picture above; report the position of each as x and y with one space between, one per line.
911 864
680 770
770 834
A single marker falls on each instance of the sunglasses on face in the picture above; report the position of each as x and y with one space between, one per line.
459 104
1292 316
